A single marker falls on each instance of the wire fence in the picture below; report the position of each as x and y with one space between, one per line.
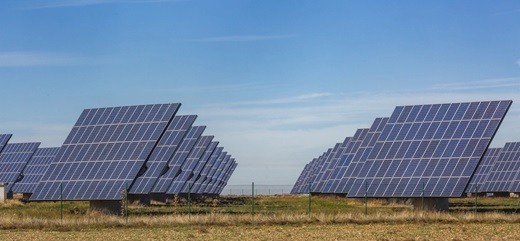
262 190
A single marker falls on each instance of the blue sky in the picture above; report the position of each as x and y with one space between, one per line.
276 81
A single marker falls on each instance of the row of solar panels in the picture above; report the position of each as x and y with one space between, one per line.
144 149
420 150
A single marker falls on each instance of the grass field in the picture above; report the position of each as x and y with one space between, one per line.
276 218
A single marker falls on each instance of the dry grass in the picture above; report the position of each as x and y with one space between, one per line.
276 218
378 231
93 219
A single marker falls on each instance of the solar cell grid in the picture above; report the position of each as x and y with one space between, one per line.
13 160
34 170
4 138
219 176
319 182
317 169
337 183
204 178
104 152
199 167
162 153
304 188
296 186
189 165
212 175
226 177
357 165
484 168
504 174
400 163
178 159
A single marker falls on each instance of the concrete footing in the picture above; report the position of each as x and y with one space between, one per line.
3 192
139 199
432 204
107 207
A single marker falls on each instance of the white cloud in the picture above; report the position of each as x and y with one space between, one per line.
244 38
276 134
482 84
30 59
518 62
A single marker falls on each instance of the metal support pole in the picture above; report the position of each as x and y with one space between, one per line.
61 203
366 198
253 204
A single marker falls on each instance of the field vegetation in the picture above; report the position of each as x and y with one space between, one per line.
275 218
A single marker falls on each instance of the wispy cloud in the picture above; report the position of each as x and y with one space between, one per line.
80 3
286 100
31 59
244 38
481 84
294 134
518 62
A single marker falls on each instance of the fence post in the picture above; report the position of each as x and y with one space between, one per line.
61 203
309 211
366 199
253 204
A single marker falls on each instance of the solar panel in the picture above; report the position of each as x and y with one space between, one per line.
304 187
219 175
483 170
4 138
201 182
504 174
329 172
189 165
34 170
212 175
299 181
162 153
196 173
319 182
317 169
104 152
174 165
358 160
438 146
13 160
337 181
226 176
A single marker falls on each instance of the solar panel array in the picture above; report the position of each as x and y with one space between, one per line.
432 147
162 153
34 170
189 165
504 175
139 148
13 159
484 168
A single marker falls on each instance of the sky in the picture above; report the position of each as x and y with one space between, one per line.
277 82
